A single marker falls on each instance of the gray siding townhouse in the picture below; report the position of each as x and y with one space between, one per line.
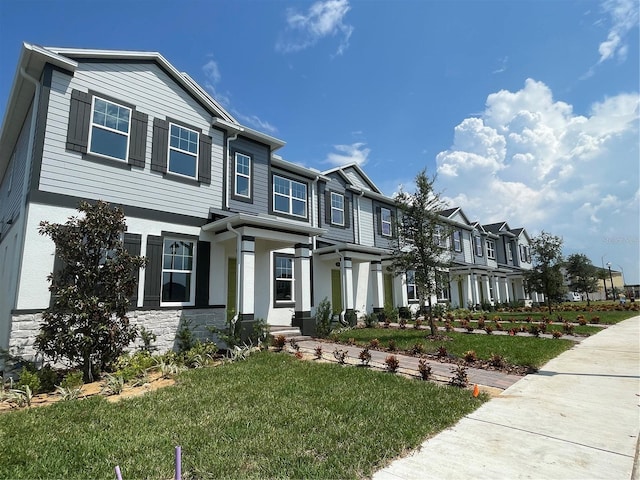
229 228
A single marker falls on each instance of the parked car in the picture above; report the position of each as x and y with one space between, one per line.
573 297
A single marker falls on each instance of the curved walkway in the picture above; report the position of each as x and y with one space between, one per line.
577 418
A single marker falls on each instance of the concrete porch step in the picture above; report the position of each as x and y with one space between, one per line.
287 331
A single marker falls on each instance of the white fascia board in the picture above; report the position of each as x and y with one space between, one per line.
264 222
372 194
312 173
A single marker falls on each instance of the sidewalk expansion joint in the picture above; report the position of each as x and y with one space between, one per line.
551 437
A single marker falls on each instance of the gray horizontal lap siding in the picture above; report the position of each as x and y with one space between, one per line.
337 233
153 93
260 186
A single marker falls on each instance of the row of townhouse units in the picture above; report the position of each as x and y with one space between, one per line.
228 227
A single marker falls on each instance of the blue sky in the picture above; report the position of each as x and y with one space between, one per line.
528 111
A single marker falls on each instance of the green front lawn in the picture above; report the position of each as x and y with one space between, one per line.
608 317
271 416
526 351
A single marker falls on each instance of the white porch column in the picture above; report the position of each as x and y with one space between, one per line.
302 280
377 285
469 290
247 277
346 266
487 288
496 289
475 292
505 286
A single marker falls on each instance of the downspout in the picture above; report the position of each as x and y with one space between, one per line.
238 253
229 184
27 173
314 219
343 288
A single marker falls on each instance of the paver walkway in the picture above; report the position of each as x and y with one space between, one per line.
577 418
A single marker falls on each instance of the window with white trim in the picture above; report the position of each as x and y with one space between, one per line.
178 282
385 222
477 240
412 290
283 278
289 197
183 151
110 127
491 249
509 252
243 175
337 209
457 241
438 237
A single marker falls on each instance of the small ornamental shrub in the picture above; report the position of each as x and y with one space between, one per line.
317 352
499 327
497 318
417 349
48 379
543 327
581 320
442 351
417 324
324 314
470 356
340 356
72 380
136 365
448 326
351 341
534 330
481 323
528 319
568 328
279 342
488 329
365 356
374 343
497 361
392 363
460 378
391 346
402 323
113 384
556 334
298 355
294 344
424 369
469 326
29 379
595 319
371 320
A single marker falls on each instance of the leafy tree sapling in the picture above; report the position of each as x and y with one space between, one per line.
546 276
583 276
87 325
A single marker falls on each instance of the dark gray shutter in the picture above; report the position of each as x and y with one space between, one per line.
131 244
204 160
79 117
347 212
138 139
379 220
58 265
160 146
202 273
327 207
394 226
153 272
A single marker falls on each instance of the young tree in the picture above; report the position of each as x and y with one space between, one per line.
583 276
546 276
421 241
87 323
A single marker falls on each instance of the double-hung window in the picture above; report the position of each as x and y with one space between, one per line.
412 291
183 151
491 249
385 222
283 278
337 209
178 282
509 252
289 197
110 127
243 175
457 241
477 240
438 237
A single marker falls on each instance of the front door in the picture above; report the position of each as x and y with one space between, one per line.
388 289
336 291
231 287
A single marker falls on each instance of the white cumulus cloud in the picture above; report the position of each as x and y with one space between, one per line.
624 17
323 19
528 159
354 153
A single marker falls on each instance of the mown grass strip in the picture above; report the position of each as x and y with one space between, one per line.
271 416
527 351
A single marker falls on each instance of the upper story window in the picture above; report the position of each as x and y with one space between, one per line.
385 222
283 282
509 252
178 283
109 132
183 151
243 175
337 209
438 237
289 197
457 241
477 240
491 249
525 253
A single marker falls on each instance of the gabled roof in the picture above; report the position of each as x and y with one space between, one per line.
451 212
500 228
520 231
342 171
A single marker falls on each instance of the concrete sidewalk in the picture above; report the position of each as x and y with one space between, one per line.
577 418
